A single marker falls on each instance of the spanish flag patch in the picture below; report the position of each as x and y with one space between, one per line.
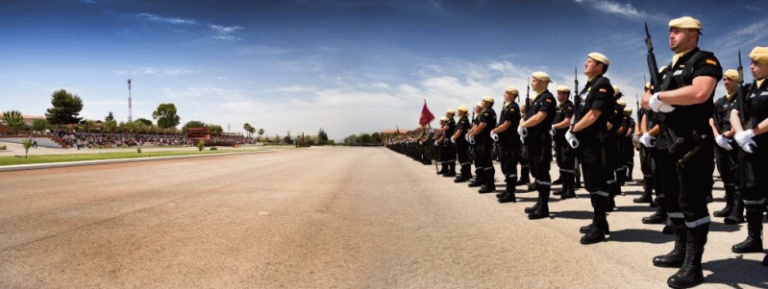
602 90
712 62
548 100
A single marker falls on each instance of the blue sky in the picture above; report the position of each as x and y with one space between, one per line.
348 66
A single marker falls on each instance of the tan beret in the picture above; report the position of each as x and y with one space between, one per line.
563 88
621 102
647 85
463 108
732 74
512 90
599 57
628 110
480 104
759 54
541 76
443 119
451 111
616 90
488 99
686 22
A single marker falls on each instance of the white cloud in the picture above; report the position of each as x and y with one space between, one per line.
158 18
225 33
622 9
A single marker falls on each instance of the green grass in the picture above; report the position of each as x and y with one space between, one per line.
41 159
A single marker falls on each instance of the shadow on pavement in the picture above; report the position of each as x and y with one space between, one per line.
720 227
641 236
736 273
574 215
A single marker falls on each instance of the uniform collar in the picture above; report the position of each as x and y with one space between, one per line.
729 96
539 94
680 55
760 82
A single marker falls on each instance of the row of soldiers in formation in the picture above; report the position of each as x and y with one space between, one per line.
680 128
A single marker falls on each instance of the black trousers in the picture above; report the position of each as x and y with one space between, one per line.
539 149
753 169
566 158
483 158
594 167
728 165
684 188
509 159
462 151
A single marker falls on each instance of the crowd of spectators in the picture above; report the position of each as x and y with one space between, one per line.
79 139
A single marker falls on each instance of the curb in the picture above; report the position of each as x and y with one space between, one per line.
14 168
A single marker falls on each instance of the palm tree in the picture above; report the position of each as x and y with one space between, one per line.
247 127
14 120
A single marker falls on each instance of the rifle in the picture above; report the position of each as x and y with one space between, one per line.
742 97
653 68
527 99
576 96
637 103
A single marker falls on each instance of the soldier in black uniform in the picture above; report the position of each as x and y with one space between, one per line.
726 157
462 146
627 148
482 135
646 162
509 141
447 149
535 130
589 136
612 148
750 120
564 154
478 181
687 165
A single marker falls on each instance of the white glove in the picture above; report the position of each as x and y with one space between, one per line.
494 136
436 144
743 137
571 139
421 142
658 106
552 131
522 140
472 140
723 142
647 140
453 140
466 137
522 131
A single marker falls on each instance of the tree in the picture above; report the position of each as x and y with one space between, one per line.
322 137
14 120
109 117
142 120
40 125
375 138
214 128
66 108
364 139
166 115
110 125
192 124
277 139
247 127
27 143
261 132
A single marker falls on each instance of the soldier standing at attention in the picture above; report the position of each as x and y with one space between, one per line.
462 146
474 144
535 129
482 135
750 120
589 136
448 150
726 157
510 143
565 156
684 102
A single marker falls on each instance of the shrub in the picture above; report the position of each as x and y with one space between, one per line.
201 145
2 148
27 143
214 149
138 150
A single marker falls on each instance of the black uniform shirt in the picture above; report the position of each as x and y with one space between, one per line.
545 102
723 107
464 126
599 96
489 118
565 110
451 128
512 114
684 119
757 110
617 119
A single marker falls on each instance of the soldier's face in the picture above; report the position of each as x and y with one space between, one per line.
562 96
538 85
730 85
759 70
509 97
682 39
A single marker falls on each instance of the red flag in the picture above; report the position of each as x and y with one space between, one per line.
426 116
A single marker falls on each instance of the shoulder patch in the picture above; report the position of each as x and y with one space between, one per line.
486 114
570 108
602 90
512 109
548 100
711 62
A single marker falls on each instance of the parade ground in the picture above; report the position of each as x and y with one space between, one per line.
336 217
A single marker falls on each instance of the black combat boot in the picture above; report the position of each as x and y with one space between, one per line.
598 205
647 196
543 210
737 214
765 260
451 170
443 169
478 181
596 232
675 258
568 190
490 182
730 193
754 241
691 273
659 217
611 204
533 186
509 194
532 209
466 174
